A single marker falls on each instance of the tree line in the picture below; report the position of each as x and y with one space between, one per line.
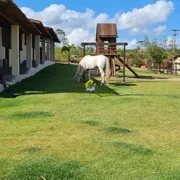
147 51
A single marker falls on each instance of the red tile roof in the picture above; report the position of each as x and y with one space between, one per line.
53 34
14 15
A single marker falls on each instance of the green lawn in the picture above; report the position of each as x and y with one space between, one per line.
51 128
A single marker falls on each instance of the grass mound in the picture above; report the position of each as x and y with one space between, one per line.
48 169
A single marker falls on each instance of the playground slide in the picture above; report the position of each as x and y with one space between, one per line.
136 75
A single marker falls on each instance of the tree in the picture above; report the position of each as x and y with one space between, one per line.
119 51
145 43
62 36
157 53
60 33
68 50
153 51
64 43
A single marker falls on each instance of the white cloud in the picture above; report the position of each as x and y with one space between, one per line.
101 18
146 31
77 25
138 20
132 44
81 26
58 16
159 30
170 41
137 30
79 35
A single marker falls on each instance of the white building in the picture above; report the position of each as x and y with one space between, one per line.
24 43
177 64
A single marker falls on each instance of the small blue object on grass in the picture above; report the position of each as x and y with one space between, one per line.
90 86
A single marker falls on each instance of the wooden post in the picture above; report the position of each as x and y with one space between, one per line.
163 68
113 66
124 58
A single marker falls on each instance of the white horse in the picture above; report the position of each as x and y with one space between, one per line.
90 62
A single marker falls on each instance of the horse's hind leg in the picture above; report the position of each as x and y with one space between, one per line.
102 75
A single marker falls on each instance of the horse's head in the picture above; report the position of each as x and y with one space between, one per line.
77 76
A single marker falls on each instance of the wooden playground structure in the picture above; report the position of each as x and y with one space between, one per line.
106 44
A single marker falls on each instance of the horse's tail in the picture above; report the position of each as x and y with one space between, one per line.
108 70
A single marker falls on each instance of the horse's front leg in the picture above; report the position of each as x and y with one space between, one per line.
102 76
89 74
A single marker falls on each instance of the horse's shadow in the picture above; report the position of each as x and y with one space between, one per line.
58 78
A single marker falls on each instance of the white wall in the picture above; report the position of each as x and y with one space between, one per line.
15 49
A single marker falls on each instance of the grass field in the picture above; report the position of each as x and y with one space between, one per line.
51 128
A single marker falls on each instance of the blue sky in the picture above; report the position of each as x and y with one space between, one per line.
99 6
154 18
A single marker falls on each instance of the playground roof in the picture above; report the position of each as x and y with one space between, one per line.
106 30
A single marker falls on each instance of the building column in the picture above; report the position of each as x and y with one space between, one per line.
29 50
48 49
52 50
37 49
2 49
43 49
15 49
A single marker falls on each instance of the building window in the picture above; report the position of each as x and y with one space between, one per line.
6 36
20 40
33 41
25 37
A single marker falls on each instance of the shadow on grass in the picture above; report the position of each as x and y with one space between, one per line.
46 169
29 115
58 78
124 84
31 149
133 148
91 123
116 130
151 77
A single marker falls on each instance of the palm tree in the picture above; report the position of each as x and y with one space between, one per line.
68 50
